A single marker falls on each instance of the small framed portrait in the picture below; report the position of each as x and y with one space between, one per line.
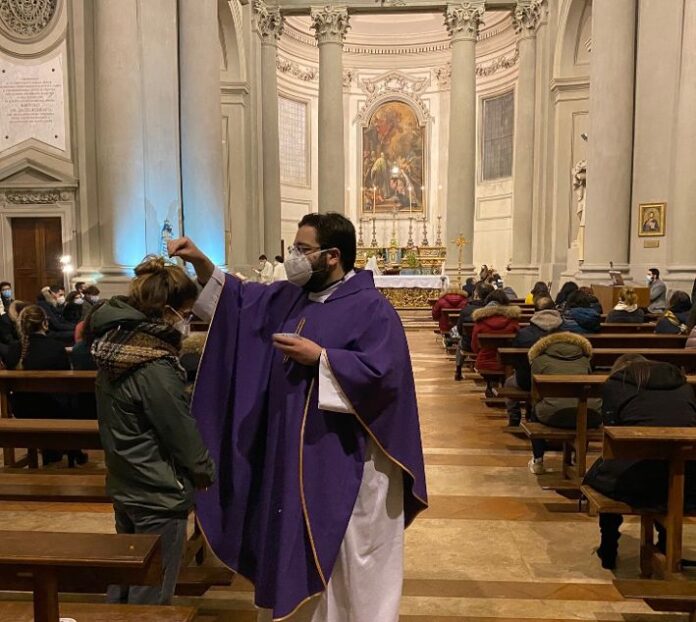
651 220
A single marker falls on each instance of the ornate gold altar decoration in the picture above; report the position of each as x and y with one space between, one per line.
460 243
410 297
425 259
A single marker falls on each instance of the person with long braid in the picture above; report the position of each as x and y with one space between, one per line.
36 351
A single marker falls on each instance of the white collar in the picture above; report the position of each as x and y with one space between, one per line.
323 295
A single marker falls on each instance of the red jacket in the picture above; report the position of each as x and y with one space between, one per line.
448 301
500 320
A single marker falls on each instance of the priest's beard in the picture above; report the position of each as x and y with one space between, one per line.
320 276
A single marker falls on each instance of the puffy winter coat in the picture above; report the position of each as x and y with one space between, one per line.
448 301
582 320
623 316
493 320
666 400
562 353
672 323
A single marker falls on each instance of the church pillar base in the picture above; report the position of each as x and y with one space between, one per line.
521 278
599 272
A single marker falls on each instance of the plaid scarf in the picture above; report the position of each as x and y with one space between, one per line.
124 349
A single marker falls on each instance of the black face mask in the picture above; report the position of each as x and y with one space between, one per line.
317 282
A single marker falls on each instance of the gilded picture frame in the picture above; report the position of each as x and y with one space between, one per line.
651 220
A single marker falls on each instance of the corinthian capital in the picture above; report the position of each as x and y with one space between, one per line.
269 21
464 18
330 24
527 16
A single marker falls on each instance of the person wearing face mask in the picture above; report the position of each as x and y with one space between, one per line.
265 270
305 393
154 454
5 296
279 273
52 301
658 291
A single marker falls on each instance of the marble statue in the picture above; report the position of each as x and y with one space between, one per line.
579 174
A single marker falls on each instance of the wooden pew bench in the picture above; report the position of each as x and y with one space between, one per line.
661 595
46 563
95 612
676 446
72 382
603 340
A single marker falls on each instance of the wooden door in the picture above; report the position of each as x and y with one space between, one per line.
37 247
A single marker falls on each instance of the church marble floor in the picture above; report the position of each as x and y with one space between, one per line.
492 547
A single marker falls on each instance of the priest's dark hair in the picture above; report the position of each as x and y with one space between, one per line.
334 231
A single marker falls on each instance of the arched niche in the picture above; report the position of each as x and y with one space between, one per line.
571 56
232 57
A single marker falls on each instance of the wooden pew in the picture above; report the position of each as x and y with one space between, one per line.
676 446
95 612
603 340
40 382
661 595
47 563
606 357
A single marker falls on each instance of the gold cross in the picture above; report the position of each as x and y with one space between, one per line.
460 242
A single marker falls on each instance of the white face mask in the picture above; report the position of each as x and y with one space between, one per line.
60 300
298 268
79 301
183 325
648 279
93 299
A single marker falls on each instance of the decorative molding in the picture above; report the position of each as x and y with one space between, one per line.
35 197
330 24
27 19
348 75
397 85
269 21
295 70
463 20
443 74
527 16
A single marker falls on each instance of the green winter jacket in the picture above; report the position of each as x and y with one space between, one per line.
153 450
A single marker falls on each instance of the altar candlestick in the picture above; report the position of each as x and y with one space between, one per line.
374 199
424 242
374 242
360 230
410 233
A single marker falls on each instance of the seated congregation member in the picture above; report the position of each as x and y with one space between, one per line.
626 310
690 329
6 298
540 289
639 392
481 291
497 317
469 287
453 298
560 354
545 321
579 314
594 301
91 296
154 454
38 351
674 321
52 301
566 290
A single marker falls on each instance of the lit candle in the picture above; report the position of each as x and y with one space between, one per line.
410 199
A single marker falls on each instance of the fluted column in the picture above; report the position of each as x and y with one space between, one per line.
269 22
462 21
330 25
526 19
610 152
682 250
201 127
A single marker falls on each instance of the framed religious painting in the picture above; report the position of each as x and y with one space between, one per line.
393 161
651 220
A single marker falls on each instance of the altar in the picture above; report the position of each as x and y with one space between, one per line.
411 290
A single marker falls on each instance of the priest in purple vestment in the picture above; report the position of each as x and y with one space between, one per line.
305 399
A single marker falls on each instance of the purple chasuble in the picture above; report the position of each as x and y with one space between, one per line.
288 472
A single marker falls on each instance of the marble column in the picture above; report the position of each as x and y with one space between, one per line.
201 127
610 150
330 25
119 119
682 250
269 23
462 21
526 19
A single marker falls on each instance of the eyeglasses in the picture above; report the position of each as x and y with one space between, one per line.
303 250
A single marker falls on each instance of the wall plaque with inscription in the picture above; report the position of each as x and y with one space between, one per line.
32 101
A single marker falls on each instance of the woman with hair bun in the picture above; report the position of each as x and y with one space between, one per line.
154 454
37 351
